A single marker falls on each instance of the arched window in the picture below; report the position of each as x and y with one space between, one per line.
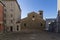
40 13
25 24
33 16
41 24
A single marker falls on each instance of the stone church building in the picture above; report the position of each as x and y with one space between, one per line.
33 22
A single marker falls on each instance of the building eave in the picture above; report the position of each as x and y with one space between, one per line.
2 3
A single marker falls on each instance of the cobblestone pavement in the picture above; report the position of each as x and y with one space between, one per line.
30 36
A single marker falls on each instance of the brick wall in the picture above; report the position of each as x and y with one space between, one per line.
1 17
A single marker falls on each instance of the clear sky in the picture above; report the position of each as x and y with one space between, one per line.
48 6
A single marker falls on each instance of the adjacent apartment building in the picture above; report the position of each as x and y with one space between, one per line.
48 22
53 25
12 14
58 22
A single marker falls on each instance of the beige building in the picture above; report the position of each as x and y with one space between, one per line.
12 13
34 22
58 5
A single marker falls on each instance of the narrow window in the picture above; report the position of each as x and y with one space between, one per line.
0 27
11 15
4 14
41 24
25 24
0 24
11 21
17 27
4 21
5 10
11 28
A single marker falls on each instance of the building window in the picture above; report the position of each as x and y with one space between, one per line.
11 28
40 13
17 27
5 10
11 15
33 16
25 24
11 9
41 24
11 3
4 15
0 24
4 21
11 21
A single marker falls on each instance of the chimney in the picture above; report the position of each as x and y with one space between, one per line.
41 13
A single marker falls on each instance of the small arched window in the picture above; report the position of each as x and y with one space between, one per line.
41 24
40 13
25 24
33 16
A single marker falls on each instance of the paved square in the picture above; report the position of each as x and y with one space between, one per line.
30 36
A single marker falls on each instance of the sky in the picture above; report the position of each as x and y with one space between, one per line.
48 6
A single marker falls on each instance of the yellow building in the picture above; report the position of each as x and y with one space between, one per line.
34 22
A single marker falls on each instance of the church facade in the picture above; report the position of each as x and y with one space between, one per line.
33 22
